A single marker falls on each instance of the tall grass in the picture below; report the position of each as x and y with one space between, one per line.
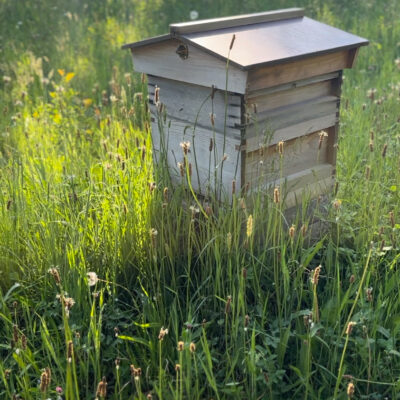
234 302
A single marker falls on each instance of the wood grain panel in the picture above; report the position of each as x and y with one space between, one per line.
209 164
200 68
269 76
193 103
298 154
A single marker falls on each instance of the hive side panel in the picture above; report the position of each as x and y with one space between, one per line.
284 98
266 164
211 166
279 74
308 109
199 105
293 113
199 68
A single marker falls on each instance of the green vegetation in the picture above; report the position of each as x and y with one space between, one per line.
229 303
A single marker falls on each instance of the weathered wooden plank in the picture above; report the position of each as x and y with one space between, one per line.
200 68
269 76
310 191
301 179
223 160
298 154
283 117
289 97
291 85
239 20
192 103
296 188
303 128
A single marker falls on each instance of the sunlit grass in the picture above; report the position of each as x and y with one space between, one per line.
185 298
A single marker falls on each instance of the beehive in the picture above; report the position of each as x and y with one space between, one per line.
234 88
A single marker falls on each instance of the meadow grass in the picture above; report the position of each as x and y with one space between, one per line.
185 298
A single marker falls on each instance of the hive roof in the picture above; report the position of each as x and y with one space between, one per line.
260 39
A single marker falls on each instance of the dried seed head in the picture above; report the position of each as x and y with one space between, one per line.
181 345
371 146
102 388
276 196
352 279
229 241
156 95
190 169
70 351
211 146
136 373
48 373
391 217
162 333
228 304
44 383
153 237
349 328
303 230
350 390
280 147
213 90
244 273
181 169
368 294
192 347
246 320
68 303
249 230
24 342
367 172
292 231
384 150
177 367
337 204
212 119
55 274
232 41
315 276
92 278
15 333
143 151
152 186
117 362
233 187
307 320
185 146
371 93
322 135
165 194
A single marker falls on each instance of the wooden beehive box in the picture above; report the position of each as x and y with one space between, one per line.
234 100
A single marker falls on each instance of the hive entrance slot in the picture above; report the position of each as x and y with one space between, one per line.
182 51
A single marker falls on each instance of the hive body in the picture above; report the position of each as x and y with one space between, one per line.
235 105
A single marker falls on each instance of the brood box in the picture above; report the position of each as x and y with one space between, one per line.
234 100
